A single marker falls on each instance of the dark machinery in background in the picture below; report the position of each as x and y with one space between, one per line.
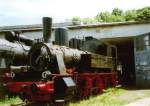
53 72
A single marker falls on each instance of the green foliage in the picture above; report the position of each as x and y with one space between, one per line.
117 15
143 14
117 12
130 15
7 102
115 18
103 17
88 21
76 20
107 17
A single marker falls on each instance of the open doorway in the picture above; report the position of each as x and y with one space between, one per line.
125 51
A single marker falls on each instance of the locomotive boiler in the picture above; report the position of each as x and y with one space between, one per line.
13 50
55 72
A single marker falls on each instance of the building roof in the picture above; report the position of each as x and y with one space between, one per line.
38 27
31 27
106 24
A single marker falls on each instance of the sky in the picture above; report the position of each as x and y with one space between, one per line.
25 12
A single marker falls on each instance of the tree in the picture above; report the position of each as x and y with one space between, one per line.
130 15
115 18
107 17
103 17
117 15
76 20
117 12
88 21
143 14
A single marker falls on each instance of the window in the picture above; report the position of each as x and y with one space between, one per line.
143 42
146 42
139 43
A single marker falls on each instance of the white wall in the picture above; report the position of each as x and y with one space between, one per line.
111 31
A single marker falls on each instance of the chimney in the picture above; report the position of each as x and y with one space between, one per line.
47 29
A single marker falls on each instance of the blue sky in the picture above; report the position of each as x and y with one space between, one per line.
18 12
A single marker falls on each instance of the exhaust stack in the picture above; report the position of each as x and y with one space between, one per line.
47 29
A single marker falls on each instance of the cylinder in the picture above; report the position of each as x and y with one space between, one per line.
47 29
61 36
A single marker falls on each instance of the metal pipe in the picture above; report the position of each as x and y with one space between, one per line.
47 29
17 36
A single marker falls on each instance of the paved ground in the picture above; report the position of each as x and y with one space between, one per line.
141 102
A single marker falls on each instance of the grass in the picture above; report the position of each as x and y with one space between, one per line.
7 102
105 99
114 97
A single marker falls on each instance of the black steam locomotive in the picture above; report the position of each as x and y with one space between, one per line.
52 72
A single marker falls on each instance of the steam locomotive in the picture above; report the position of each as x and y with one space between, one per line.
53 72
